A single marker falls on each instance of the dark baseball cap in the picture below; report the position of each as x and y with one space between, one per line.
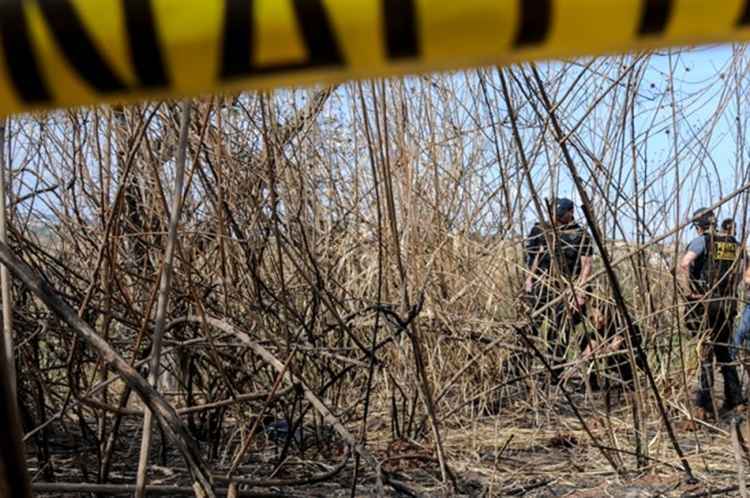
563 205
703 218
727 223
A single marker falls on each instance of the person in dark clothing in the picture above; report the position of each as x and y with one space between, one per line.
709 275
608 341
558 258
727 227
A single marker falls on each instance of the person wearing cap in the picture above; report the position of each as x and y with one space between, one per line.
558 258
708 274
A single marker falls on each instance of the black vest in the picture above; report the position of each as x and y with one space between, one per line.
717 269
567 248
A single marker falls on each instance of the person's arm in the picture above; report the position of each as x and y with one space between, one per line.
532 271
683 274
586 265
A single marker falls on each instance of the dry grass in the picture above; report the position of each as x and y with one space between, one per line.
386 217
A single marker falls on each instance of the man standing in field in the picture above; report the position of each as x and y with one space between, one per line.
558 258
708 274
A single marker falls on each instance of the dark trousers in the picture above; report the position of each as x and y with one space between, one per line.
717 320
559 320
617 368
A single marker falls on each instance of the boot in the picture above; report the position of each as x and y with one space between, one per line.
732 389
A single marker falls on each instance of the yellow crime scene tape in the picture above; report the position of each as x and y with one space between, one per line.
61 53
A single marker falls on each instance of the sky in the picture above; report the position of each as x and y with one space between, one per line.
702 137
711 163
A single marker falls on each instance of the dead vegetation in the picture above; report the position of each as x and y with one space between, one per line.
317 293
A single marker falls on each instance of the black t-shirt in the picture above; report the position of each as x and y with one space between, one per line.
569 244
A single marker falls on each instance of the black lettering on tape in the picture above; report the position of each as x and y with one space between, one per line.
145 50
238 40
400 18
78 47
318 33
536 17
235 57
23 67
654 16
745 16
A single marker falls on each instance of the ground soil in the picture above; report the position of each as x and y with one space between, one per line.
515 449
